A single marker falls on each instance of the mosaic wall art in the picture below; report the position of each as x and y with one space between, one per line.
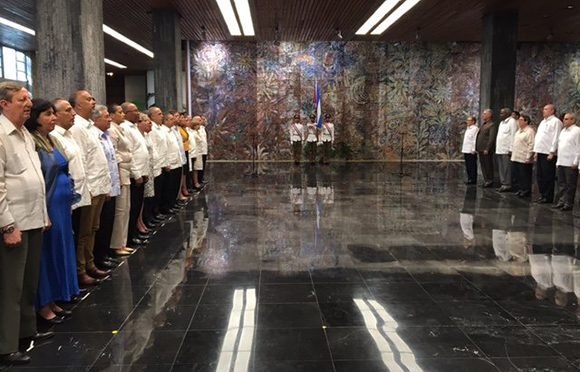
382 96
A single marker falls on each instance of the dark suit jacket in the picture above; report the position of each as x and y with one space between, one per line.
486 138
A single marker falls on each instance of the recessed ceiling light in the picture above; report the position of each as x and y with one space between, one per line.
124 39
570 6
229 16
395 16
379 14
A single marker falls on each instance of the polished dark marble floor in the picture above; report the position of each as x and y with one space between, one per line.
340 268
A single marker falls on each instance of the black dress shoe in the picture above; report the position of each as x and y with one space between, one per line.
545 201
106 265
139 242
14 358
558 206
50 322
541 200
143 236
567 207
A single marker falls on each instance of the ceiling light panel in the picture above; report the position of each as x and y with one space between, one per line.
229 16
122 38
245 16
395 16
379 14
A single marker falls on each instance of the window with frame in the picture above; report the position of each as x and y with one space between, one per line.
15 65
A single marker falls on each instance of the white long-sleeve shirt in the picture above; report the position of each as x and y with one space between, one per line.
310 132
204 143
569 147
22 188
547 136
193 148
469 139
158 137
327 132
173 154
140 165
95 161
296 132
506 132
76 167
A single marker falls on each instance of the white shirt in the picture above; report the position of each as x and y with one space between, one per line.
522 149
175 132
469 139
153 156
311 132
506 132
173 155
140 165
296 132
22 188
466 223
547 137
569 147
76 167
123 152
563 277
193 148
204 145
95 161
327 132
158 137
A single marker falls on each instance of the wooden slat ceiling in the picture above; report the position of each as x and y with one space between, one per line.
310 20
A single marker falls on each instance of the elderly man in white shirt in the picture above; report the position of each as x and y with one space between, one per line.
23 216
545 148
158 139
139 171
87 218
503 148
567 164
65 115
469 151
175 164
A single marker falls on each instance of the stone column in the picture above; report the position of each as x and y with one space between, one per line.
167 49
70 48
498 61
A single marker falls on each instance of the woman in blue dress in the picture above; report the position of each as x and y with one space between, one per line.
58 277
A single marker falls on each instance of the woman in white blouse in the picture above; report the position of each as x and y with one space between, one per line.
523 156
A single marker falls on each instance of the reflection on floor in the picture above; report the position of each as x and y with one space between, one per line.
340 268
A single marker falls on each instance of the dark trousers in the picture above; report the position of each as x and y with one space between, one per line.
311 151
103 235
187 172
136 205
471 167
297 151
486 164
567 181
201 173
160 185
169 196
546 175
523 176
325 153
19 272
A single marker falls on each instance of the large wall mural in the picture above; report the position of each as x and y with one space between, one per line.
382 96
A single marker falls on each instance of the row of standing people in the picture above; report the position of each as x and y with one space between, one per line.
81 186
514 147
309 136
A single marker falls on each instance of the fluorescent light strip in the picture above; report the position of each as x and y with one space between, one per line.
394 17
16 26
245 15
379 14
109 31
229 16
113 63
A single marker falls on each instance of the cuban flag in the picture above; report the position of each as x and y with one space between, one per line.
318 104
